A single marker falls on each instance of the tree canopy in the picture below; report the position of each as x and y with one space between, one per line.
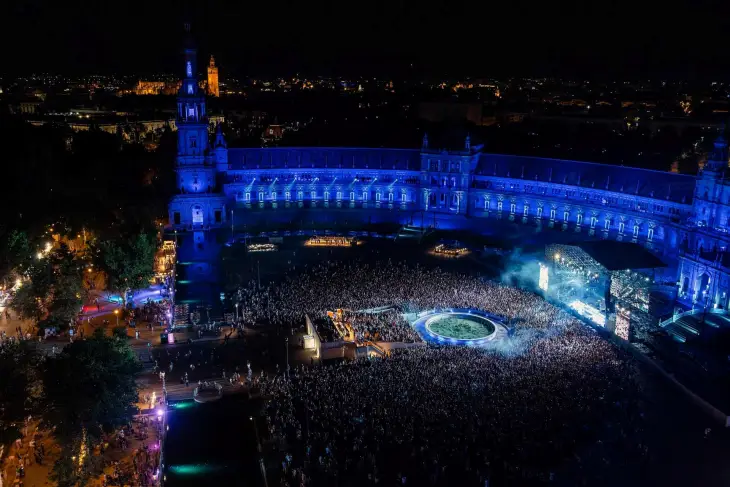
128 262
53 293
89 388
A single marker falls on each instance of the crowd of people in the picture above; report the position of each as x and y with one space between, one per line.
359 287
444 415
386 326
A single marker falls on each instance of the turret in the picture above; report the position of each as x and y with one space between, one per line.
221 149
718 158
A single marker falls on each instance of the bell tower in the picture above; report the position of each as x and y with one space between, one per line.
213 89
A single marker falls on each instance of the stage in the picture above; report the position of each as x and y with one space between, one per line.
460 326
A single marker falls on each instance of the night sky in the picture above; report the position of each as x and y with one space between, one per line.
683 39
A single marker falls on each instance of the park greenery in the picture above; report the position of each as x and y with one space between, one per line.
51 291
84 391
128 262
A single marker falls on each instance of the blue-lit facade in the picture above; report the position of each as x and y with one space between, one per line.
682 218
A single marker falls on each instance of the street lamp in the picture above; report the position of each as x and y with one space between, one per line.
116 313
236 312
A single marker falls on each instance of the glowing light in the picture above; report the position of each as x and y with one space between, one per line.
262 248
544 277
589 312
328 241
623 320
450 250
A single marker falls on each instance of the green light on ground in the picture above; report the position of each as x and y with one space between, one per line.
183 282
184 405
194 469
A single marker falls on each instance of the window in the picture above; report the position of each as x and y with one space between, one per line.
539 211
287 196
197 214
191 112
218 216
352 196
326 195
339 196
191 90
377 196
189 69
486 204
512 208
636 231
593 221
553 212
579 219
273 196
248 196
300 195
621 227
364 195
176 217
403 197
261 196
313 195
525 210
499 206
607 225
566 215
650 234
390 196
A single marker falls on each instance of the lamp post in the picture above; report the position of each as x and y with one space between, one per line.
236 312
116 313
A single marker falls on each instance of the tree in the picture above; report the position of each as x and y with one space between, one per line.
19 387
16 252
89 388
128 263
53 294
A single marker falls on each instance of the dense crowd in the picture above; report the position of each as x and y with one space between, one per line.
387 326
359 288
446 415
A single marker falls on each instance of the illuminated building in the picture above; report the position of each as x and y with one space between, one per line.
213 89
683 219
198 205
